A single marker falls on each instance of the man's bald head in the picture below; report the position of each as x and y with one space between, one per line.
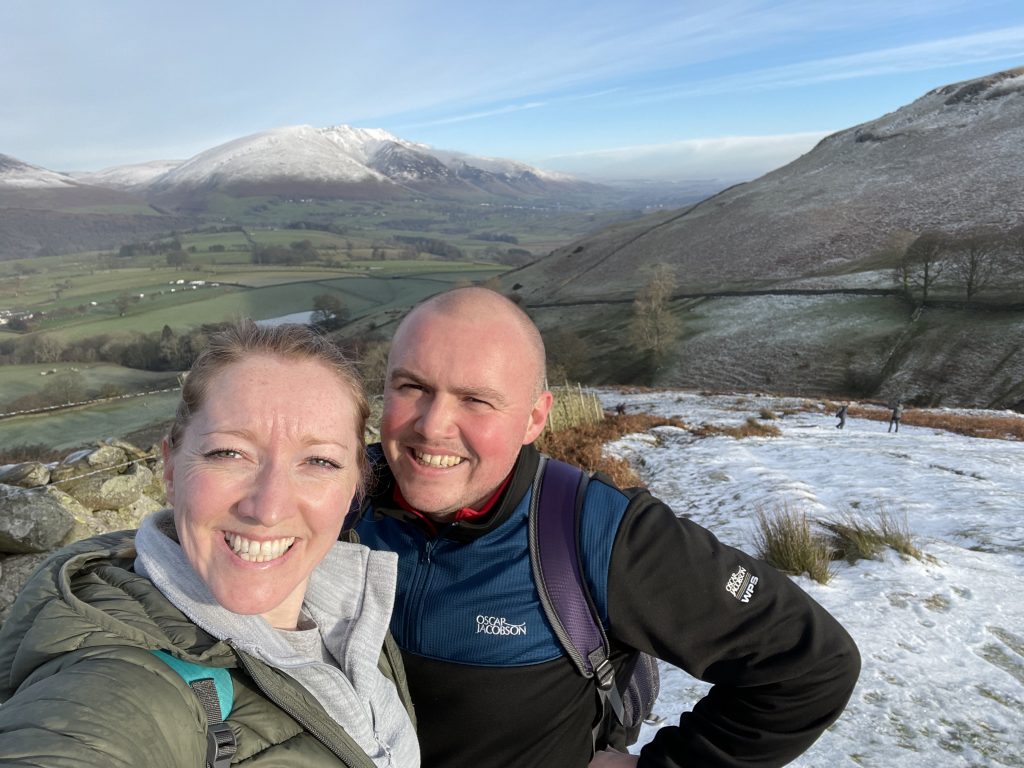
490 306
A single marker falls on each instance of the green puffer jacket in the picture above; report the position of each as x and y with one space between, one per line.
82 687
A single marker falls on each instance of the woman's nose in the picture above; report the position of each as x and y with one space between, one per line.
271 497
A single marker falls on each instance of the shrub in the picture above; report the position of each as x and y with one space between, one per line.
785 540
752 427
583 444
573 407
852 539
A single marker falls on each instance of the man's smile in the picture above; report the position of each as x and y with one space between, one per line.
437 459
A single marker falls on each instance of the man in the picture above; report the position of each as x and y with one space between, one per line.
464 400
841 415
897 414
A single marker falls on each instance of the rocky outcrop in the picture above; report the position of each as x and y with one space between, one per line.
108 487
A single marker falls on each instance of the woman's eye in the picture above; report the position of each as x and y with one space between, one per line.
223 453
320 461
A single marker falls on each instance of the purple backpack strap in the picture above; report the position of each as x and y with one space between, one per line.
558 491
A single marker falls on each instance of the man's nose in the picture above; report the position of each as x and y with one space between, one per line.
436 417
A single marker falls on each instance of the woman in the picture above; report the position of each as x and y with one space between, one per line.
245 572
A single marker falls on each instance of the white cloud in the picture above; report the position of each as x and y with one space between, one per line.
729 158
997 45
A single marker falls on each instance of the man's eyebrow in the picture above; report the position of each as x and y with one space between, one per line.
404 373
480 393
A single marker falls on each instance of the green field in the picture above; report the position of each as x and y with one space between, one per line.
20 380
82 427
87 308
162 296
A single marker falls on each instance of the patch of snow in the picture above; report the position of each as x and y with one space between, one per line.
942 643
18 175
127 176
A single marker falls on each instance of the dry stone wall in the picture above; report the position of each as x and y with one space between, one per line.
108 487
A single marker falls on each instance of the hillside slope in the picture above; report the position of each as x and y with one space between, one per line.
779 282
952 159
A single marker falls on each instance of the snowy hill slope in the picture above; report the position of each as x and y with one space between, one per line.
951 160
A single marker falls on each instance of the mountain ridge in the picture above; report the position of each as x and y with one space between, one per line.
952 160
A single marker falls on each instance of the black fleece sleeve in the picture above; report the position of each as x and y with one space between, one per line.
782 667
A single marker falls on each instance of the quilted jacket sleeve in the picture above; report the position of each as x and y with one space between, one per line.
93 709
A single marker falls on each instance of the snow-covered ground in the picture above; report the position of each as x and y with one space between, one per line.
942 640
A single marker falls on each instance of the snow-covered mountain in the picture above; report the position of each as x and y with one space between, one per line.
302 161
24 186
15 174
127 177
345 162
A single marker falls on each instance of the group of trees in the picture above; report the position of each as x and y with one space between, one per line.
299 252
167 350
329 312
970 263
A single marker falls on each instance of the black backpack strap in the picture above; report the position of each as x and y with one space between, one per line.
213 687
555 510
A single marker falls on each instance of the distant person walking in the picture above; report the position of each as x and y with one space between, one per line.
841 415
897 414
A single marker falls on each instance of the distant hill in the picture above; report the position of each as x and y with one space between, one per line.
786 283
294 164
42 211
951 160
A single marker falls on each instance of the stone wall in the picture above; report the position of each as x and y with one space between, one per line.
109 487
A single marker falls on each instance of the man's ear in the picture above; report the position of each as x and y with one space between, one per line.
538 416
165 449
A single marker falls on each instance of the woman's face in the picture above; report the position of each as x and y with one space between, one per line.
262 480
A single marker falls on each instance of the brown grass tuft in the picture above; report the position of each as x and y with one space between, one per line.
784 540
993 426
583 444
750 428
853 539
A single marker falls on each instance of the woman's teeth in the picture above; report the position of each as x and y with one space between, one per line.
258 551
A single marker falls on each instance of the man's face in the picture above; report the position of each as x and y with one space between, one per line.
459 402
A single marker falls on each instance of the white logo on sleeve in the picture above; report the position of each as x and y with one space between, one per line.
494 625
741 585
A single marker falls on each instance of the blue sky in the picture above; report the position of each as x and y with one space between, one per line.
645 88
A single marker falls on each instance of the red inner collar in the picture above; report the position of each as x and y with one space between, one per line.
464 514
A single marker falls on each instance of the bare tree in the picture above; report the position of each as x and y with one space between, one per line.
47 349
654 327
64 388
975 261
922 264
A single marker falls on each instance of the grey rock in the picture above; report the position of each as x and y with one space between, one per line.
88 462
102 490
27 475
31 520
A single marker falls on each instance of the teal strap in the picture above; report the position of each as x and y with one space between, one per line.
191 673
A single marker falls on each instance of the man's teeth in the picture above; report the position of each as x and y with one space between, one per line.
258 551
438 460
